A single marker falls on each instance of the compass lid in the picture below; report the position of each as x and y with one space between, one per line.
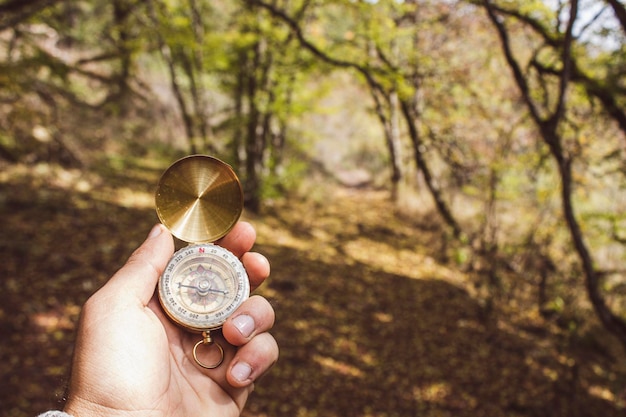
199 199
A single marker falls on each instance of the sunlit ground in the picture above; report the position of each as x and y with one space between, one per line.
373 317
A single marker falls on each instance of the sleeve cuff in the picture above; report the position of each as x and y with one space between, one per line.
54 413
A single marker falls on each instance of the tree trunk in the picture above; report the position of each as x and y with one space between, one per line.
613 323
388 116
422 166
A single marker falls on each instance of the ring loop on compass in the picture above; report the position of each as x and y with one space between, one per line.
208 341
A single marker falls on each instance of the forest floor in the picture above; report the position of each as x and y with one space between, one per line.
372 320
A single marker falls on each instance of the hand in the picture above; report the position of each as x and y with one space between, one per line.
131 360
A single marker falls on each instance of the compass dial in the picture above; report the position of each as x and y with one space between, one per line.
202 286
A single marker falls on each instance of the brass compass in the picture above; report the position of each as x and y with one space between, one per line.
199 199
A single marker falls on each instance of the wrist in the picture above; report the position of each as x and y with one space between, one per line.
79 407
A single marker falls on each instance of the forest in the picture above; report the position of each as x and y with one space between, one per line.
439 185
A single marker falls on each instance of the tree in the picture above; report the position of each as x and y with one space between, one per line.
265 65
50 51
182 36
550 117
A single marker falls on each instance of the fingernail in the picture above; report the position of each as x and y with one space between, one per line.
245 324
241 371
156 230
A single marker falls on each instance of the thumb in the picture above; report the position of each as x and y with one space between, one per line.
138 278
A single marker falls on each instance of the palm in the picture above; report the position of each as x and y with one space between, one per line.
152 369
191 390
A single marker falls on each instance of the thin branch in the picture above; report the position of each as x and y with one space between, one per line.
603 92
297 30
566 58
518 75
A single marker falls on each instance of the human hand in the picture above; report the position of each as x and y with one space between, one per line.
131 360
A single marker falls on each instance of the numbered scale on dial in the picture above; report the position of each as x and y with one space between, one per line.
202 286
199 199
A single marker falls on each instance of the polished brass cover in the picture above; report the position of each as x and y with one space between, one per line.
199 199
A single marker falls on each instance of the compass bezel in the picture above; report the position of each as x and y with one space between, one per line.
174 306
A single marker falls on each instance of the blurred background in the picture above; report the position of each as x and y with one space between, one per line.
440 187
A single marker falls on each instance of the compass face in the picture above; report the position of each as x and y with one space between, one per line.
202 286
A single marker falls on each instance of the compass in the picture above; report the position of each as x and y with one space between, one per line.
199 199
